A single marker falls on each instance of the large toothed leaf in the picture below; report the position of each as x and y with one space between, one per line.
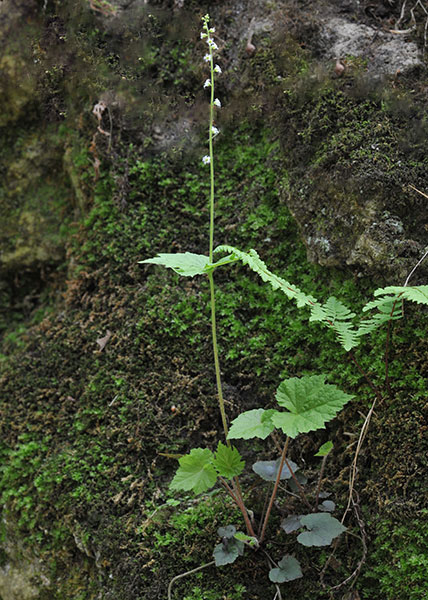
228 461
288 570
195 472
311 403
187 264
252 423
322 529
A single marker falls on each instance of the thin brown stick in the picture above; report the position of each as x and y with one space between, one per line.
275 489
317 494
299 486
363 538
365 375
187 573
353 472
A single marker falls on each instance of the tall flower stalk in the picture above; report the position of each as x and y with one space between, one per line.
209 159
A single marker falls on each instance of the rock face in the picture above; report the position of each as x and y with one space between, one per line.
322 138
386 53
21 575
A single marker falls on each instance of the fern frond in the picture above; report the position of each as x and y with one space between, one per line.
333 313
252 260
338 316
389 309
415 293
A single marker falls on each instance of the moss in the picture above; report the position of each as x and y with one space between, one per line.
399 561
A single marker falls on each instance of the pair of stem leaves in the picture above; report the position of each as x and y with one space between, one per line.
333 313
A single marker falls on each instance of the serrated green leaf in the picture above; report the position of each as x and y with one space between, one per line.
252 423
311 403
228 461
323 528
289 569
333 309
268 469
186 264
325 449
389 310
195 472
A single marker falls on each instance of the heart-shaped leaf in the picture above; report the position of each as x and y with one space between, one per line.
268 469
323 528
195 472
310 402
289 569
291 523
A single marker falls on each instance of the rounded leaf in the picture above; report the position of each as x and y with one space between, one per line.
288 570
323 528
268 469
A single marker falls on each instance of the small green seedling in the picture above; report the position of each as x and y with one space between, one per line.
304 404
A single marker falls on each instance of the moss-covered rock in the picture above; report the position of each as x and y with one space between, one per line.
112 374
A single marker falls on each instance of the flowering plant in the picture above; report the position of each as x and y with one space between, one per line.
303 404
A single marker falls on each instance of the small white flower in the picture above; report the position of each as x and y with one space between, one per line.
217 69
212 44
215 131
217 103
206 159
207 58
212 29
207 83
203 35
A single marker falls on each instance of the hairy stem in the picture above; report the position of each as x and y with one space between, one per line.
275 489
240 504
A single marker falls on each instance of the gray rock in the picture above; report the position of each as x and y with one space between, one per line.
386 53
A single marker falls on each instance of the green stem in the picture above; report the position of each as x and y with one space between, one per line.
210 276
211 161
216 359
